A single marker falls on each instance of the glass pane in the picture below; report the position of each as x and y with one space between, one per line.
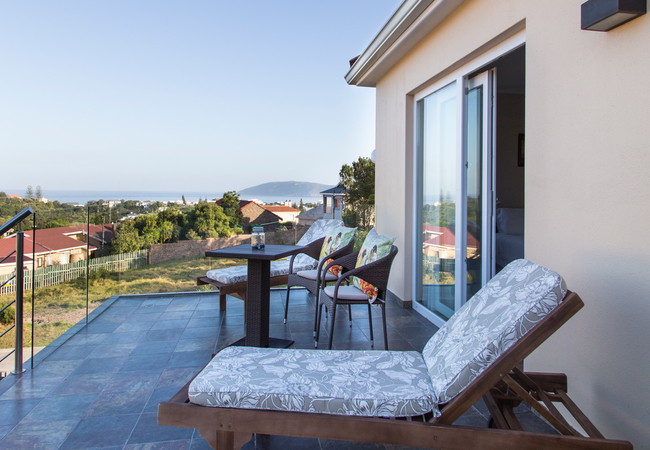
437 149
474 189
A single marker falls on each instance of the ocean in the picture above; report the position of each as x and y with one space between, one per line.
83 197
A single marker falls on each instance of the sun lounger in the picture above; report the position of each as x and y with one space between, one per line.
402 398
232 280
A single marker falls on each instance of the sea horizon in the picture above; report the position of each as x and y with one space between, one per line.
82 197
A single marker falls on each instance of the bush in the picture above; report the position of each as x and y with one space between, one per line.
8 316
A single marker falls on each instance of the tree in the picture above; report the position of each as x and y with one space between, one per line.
126 238
183 197
210 221
358 180
302 207
39 192
30 192
230 206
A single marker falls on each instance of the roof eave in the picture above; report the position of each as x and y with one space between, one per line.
398 37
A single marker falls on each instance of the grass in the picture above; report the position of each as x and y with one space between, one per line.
59 307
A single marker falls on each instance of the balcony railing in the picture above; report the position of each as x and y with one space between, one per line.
17 280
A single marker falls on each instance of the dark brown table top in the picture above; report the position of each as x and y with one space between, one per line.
246 251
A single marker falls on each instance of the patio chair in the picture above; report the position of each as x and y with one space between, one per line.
376 273
398 397
233 280
314 279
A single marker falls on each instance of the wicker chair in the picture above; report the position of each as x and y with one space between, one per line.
312 279
376 273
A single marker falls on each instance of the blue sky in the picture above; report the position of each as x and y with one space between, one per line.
195 95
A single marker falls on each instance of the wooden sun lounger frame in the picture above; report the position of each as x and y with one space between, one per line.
238 290
229 428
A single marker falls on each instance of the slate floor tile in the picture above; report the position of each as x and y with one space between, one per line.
112 350
148 430
69 407
167 445
13 411
148 309
100 432
125 338
31 387
100 365
118 403
83 383
130 327
38 436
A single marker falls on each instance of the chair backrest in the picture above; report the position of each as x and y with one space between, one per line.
318 230
494 319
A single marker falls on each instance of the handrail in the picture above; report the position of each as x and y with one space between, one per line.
20 253
22 215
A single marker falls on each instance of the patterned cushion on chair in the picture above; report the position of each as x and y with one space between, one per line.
359 383
509 305
336 238
239 274
374 247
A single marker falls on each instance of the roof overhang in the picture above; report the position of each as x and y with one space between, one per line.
411 23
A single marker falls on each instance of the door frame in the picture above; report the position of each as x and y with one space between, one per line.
461 77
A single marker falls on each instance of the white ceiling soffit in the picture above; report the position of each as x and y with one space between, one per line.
397 38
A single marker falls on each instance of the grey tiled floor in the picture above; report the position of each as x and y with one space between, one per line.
101 388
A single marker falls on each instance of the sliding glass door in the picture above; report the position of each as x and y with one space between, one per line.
454 151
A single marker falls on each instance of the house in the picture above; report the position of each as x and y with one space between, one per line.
286 213
333 202
100 235
51 247
310 216
256 214
13 196
484 105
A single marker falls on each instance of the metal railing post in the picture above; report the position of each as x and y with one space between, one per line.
18 357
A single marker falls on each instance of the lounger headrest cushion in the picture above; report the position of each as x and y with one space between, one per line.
504 310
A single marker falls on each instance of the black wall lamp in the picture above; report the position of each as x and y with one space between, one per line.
605 15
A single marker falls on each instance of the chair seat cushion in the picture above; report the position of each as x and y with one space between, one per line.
359 383
313 275
346 293
495 318
239 274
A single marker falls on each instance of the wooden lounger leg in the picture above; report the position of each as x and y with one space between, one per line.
222 302
225 440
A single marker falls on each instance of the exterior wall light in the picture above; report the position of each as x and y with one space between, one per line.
605 15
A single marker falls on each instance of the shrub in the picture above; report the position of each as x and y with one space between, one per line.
8 316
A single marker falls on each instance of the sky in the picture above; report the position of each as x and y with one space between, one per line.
192 95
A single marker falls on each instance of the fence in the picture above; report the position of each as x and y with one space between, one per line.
53 275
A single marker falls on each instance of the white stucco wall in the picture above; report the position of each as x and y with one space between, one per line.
587 177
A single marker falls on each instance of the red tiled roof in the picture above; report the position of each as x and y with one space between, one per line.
446 237
281 208
95 231
13 196
47 240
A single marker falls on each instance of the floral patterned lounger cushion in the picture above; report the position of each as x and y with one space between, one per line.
357 382
505 309
239 274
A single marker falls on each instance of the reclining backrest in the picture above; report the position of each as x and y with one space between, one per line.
509 305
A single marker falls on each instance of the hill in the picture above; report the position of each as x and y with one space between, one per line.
286 188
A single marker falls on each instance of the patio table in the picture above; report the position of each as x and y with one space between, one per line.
258 289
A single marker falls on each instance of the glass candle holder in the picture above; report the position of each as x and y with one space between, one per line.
258 238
